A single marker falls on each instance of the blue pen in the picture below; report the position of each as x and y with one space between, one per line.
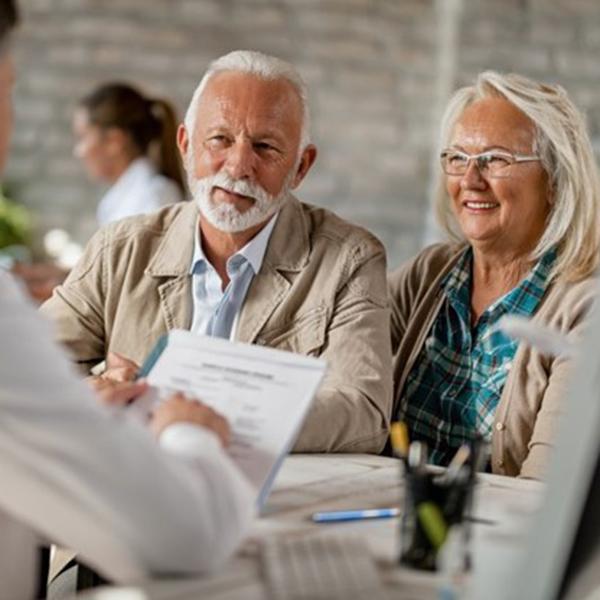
335 516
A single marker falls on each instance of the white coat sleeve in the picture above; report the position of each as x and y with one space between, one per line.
98 483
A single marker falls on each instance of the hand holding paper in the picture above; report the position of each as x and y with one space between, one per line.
178 409
263 393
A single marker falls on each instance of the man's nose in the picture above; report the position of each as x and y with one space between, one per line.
240 160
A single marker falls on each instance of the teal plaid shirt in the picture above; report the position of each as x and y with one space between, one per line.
453 390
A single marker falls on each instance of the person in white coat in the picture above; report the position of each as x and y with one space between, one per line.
129 141
76 472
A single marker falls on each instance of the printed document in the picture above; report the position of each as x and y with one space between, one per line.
264 394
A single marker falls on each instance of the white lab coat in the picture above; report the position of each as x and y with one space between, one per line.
90 479
139 190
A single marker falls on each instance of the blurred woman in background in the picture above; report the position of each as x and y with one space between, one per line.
128 140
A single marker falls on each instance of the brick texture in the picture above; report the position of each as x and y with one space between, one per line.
372 67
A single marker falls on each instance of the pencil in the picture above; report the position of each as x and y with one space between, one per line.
399 438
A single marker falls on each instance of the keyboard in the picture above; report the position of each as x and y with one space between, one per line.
320 567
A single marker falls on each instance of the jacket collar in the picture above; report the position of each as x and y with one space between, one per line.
288 251
174 255
289 246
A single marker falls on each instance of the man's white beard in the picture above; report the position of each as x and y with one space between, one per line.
225 216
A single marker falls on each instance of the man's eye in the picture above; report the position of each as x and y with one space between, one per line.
263 146
217 141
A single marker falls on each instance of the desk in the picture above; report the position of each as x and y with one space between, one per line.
309 483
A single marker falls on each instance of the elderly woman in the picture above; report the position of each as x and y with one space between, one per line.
519 194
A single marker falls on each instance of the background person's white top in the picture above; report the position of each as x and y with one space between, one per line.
91 480
139 190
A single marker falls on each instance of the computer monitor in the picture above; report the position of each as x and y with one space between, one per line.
561 558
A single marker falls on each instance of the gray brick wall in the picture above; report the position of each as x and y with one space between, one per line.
373 68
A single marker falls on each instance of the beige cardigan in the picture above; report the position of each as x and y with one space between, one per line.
534 395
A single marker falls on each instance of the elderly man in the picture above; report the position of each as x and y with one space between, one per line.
246 260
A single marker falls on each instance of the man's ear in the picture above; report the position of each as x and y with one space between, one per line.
183 141
309 155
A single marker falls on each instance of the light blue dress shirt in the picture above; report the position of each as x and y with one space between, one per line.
216 310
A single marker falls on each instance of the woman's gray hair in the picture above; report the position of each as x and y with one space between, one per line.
563 144
263 66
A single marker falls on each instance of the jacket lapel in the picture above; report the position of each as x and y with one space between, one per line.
287 252
172 263
175 298
267 290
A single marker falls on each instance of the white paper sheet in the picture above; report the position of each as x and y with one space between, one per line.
264 394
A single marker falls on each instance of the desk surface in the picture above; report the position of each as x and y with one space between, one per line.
310 483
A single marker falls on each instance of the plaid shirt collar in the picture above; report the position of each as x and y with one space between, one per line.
521 300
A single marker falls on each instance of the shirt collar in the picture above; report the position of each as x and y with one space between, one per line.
524 298
457 285
253 252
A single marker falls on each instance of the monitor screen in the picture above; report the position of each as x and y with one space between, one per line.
562 549
582 572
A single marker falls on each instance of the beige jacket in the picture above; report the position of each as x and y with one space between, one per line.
535 392
321 291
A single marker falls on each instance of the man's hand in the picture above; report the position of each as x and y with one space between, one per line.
178 409
120 368
116 386
116 393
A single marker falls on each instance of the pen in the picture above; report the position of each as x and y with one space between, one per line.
399 439
417 456
336 516
433 523
460 458
457 465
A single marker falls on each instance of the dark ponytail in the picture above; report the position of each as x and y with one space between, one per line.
148 123
169 162
9 17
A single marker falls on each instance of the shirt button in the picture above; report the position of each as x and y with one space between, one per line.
500 426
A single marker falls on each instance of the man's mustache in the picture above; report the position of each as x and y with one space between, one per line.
237 186
231 190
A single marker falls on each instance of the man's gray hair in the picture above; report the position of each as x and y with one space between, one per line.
562 142
263 66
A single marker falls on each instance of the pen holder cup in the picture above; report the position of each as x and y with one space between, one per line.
432 505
